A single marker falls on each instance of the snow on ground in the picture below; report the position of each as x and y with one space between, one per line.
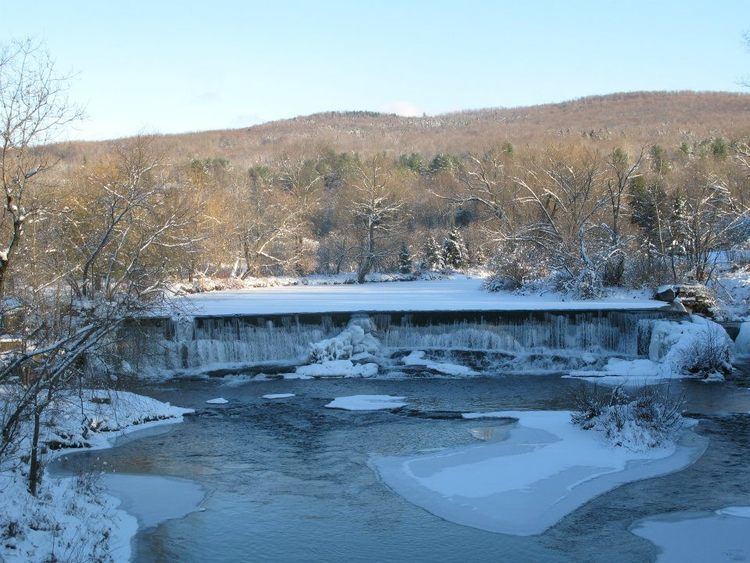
433 295
416 358
279 395
72 518
689 537
217 401
732 288
545 469
367 403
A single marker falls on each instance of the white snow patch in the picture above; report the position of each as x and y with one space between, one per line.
336 368
432 295
217 401
416 358
546 468
742 343
367 403
279 395
739 511
685 537
355 341
675 347
154 499
72 518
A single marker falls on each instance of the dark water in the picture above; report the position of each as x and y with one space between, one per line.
288 480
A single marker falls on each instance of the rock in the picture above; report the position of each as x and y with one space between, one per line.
697 298
665 293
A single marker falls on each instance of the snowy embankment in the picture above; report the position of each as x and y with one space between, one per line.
697 347
71 518
698 536
434 295
546 468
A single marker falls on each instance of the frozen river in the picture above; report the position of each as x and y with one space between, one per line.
287 479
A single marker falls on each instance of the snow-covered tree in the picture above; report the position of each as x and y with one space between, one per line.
404 259
376 211
454 250
432 255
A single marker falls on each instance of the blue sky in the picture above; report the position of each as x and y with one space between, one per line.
168 66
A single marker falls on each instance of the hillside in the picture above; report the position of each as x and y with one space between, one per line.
636 118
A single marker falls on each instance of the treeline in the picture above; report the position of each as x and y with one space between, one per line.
588 217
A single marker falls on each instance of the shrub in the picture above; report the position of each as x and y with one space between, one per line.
647 417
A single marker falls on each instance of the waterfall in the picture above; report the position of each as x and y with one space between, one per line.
202 344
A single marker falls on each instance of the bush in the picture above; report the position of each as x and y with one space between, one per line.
513 266
648 417
709 355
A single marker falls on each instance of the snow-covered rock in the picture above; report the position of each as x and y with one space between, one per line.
356 339
367 403
677 349
417 358
337 368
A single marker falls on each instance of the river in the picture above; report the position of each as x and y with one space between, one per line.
288 480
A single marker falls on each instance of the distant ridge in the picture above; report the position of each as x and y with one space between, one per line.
627 118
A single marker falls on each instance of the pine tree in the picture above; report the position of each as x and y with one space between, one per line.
433 258
404 260
454 250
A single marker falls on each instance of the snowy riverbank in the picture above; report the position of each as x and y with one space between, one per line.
72 518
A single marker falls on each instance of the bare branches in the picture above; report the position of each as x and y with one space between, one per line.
33 109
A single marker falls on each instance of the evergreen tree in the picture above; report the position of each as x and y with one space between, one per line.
404 260
433 258
454 250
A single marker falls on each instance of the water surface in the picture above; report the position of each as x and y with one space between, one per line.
288 480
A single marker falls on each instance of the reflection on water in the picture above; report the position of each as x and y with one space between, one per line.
289 480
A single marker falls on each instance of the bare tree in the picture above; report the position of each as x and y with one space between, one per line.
375 211
622 171
96 264
567 196
33 109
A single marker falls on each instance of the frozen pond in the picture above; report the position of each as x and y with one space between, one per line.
437 295
290 479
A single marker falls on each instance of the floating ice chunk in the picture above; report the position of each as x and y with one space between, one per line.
278 395
416 358
689 536
546 468
738 511
217 401
367 403
338 368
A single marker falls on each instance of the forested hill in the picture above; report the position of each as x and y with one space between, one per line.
628 119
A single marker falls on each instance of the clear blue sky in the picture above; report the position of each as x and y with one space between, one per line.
168 66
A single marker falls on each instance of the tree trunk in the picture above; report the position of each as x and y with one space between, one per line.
34 465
